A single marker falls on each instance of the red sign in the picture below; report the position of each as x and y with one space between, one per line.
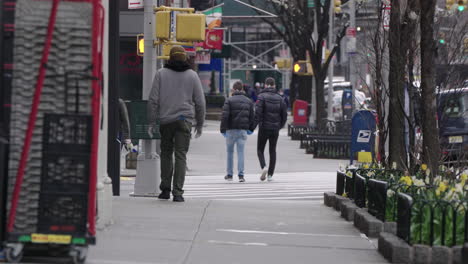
351 32
213 39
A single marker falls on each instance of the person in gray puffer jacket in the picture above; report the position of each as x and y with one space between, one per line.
237 122
270 115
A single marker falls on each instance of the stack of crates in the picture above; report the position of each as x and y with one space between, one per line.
68 71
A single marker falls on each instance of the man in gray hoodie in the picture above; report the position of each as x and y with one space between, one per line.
177 101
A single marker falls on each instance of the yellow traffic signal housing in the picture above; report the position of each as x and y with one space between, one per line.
163 25
303 67
337 4
140 45
190 27
283 63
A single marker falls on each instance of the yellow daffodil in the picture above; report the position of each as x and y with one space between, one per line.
349 174
442 188
424 167
463 178
344 194
406 180
365 166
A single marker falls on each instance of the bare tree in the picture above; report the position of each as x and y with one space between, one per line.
431 147
296 26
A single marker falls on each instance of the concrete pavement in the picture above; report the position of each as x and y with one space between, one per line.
217 231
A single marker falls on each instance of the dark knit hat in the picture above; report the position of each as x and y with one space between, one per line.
178 54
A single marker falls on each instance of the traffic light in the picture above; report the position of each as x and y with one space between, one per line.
337 4
462 5
140 44
283 63
303 67
441 37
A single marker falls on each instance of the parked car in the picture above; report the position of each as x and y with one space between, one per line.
452 112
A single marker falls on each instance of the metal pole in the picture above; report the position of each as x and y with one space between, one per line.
352 66
148 163
313 101
330 67
230 67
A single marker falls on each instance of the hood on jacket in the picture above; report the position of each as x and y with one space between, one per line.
269 90
178 66
238 93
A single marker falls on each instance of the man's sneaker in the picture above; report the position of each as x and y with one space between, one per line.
178 198
241 178
270 178
165 195
228 177
264 173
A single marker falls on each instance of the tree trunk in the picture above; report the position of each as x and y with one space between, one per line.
431 147
397 149
320 100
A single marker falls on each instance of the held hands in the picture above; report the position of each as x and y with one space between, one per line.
198 131
128 145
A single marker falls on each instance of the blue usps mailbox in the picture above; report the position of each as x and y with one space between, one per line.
362 136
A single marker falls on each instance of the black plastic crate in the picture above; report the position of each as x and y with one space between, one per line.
65 173
67 133
63 213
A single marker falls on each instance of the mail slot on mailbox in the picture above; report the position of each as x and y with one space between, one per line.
363 136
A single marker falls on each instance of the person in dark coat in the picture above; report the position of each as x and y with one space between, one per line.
270 116
237 122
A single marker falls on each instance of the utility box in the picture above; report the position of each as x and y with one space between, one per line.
190 27
163 25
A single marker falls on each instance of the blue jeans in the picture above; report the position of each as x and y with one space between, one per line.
233 137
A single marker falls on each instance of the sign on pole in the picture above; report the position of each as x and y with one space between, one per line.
386 16
135 4
351 32
203 57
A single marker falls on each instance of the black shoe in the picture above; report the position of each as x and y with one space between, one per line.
164 195
241 178
228 177
178 198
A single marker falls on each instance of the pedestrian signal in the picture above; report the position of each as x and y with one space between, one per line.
140 44
303 68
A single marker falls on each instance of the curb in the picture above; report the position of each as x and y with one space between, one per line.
367 223
390 246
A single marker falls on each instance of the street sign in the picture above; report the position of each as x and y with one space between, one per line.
351 45
386 16
135 4
203 57
351 32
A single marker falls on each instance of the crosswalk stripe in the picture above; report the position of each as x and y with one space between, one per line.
288 186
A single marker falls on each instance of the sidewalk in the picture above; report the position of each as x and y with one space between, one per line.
203 232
